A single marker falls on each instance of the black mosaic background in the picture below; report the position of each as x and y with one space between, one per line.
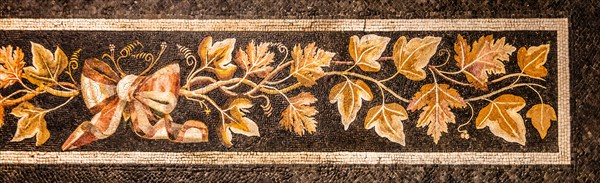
330 135
585 70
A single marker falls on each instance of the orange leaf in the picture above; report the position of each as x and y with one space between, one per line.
46 66
11 65
349 96
503 119
219 54
255 61
532 60
366 50
307 64
436 101
387 120
541 115
237 123
299 115
485 57
31 123
411 57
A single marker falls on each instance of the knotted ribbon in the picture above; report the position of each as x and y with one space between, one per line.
141 99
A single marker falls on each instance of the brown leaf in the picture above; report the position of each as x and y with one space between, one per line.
299 115
436 101
219 54
1 115
532 60
307 64
255 61
11 65
410 58
387 120
46 66
485 57
503 119
349 96
541 115
237 122
366 50
32 123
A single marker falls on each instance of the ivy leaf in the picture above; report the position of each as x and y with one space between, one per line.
410 58
32 123
532 60
503 119
255 61
436 101
387 120
307 64
11 65
485 57
220 55
299 115
237 122
541 115
349 96
46 66
366 50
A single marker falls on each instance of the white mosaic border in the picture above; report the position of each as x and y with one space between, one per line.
219 158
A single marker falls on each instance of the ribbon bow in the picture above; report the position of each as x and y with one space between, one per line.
143 99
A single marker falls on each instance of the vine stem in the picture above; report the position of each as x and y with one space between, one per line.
28 96
369 79
482 97
436 71
518 75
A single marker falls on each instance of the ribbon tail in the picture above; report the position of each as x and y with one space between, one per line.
102 125
191 131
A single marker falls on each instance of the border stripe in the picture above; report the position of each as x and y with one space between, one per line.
561 26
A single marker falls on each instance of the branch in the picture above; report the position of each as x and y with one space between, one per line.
516 75
501 90
28 96
369 79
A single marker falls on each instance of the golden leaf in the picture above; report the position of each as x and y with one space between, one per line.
540 115
410 58
349 96
32 123
255 61
11 65
237 122
46 66
366 50
219 54
503 119
532 60
436 101
387 120
485 57
307 64
299 115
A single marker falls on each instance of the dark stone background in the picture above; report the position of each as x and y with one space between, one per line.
585 70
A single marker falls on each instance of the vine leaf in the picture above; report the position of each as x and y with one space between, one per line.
436 101
11 65
532 60
255 61
46 66
486 56
541 115
387 120
32 123
410 58
307 64
237 122
366 50
299 115
220 55
349 96
503 119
